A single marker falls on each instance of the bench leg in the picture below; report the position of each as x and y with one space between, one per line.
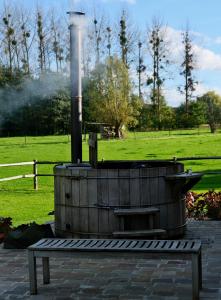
195 276
46 270
32 273
200 270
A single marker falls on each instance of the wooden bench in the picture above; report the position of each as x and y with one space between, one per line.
179 249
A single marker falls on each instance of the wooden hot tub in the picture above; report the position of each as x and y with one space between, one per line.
121 199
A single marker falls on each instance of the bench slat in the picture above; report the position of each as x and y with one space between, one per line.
174 245
117 245
72 243
133 244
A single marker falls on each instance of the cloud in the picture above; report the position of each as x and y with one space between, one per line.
174 40
174 98
207 59
218 40
202 89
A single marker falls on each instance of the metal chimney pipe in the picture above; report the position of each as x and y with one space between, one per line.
76 86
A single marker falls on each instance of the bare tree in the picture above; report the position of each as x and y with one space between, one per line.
140 69
159 53
109 39
123 39
98 36
187 66
26 43
128 38
41 42
57 49
8 34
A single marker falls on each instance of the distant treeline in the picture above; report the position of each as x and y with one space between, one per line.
123 85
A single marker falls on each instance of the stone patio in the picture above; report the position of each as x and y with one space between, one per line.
118 278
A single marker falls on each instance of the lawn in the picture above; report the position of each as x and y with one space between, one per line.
23 204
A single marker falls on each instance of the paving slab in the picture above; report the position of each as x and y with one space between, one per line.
118 278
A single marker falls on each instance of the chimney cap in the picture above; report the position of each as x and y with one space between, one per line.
79 13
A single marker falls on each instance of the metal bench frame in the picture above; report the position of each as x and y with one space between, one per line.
178 249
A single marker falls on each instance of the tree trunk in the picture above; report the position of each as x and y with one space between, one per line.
118 131
212 127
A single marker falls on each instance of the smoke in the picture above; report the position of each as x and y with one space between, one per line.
30 91
72 4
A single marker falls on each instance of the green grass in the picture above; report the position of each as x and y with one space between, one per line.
23 204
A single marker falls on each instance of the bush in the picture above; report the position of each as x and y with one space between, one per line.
203 206
5 227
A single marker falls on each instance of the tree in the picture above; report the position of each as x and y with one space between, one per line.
8 38
140 69
168 118
187 70
157 111
10 84
41 42
144 120
110 100
96 37
109 40
128 38
212 109
195 116
34 105
26 45
123 39
57 49
159 54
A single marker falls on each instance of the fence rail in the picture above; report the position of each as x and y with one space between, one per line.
34 175
17 177
18 164
35 164
196 158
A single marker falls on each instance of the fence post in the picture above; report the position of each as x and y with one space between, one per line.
93 149
35 172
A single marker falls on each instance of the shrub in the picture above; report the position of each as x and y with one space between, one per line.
5 227
203 206
5 224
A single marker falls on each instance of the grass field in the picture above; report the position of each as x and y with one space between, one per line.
23 204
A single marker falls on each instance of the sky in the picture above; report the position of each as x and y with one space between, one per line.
202 16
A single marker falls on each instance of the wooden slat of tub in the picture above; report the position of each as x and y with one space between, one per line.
114 199
124 187
153 181
176 210
180 208
102 193
182 211
83 199
162 198
75 191
170 196
173 208
62 201
68 203
92 201
58 196
135 193
145 187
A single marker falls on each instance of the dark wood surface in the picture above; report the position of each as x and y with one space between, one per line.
136 211
184 246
